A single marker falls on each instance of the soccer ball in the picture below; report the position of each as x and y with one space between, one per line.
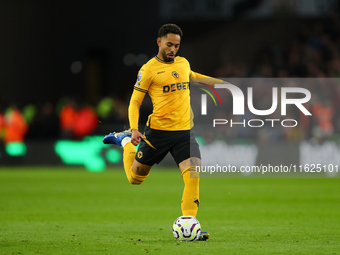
186 228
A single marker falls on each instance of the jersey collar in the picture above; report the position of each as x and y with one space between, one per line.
170 62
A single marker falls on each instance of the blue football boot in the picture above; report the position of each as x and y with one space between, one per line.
116 138
204 236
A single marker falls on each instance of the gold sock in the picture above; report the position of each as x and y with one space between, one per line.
136 179
128 158
190 199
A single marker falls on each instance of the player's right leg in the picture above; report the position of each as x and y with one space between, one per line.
135 171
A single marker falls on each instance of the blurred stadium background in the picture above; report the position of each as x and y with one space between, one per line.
68 70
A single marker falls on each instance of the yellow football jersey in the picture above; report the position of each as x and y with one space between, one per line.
168 86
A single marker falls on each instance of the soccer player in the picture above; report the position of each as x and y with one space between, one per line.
169 128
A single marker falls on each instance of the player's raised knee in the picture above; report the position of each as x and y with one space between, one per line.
136 179
135 182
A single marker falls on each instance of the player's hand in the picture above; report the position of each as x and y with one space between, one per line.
136 137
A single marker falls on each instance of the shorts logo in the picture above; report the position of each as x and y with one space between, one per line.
140 154
175 74
139 77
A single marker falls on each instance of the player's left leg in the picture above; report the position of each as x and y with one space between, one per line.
190 198
188 154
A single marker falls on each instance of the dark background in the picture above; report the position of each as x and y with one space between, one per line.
41 39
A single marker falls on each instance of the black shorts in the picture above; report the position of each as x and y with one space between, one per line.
181 144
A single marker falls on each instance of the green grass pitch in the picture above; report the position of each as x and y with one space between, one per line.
72 211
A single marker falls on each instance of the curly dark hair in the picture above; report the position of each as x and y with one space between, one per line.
170 29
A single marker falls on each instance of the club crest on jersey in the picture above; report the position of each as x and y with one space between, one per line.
140 154
175 74
139 77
